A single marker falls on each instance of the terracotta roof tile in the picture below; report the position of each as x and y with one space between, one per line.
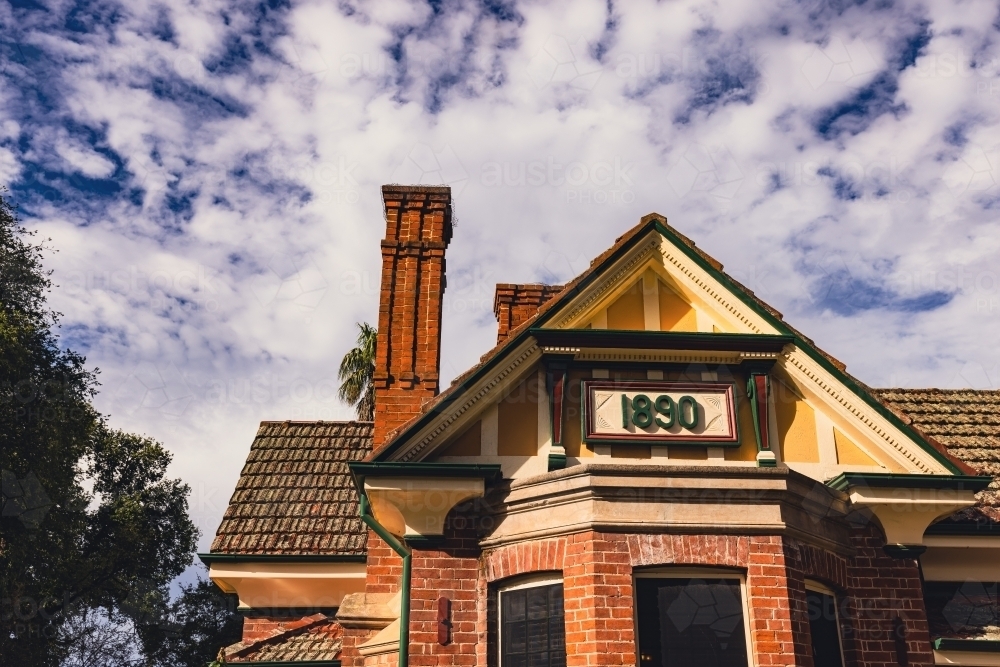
967 423
313 638
295 494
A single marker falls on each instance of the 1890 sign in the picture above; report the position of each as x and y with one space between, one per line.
697 413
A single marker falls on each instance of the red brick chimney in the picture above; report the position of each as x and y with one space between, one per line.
514 304
408 354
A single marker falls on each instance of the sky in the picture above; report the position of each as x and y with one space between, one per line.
208 172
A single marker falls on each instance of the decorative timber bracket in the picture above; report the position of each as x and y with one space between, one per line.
556 368
759 395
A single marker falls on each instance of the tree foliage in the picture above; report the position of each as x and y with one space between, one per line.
201 621
357 373
90 520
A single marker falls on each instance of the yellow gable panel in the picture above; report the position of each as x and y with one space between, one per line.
849 453
469 443
517 416
796 425
628 312
676 314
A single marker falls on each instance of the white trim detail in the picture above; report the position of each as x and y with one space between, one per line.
484 389
703 281
531 580
823 383
596 292
967 658
817 587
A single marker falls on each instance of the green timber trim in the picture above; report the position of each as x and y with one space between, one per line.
967 645
210 558
653 222
885 480
661 340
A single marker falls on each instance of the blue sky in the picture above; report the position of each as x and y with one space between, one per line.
209 173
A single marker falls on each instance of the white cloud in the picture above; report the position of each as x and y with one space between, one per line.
225 273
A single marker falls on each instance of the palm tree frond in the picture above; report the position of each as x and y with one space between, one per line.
357 373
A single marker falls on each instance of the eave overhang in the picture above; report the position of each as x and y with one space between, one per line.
278 581
905 505
411 500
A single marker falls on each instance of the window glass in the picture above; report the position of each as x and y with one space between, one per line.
532 633
824 629
685 622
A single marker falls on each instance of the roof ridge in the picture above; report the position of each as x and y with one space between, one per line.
297 422
914 390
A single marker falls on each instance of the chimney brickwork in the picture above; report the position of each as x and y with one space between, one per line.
515 304
408 354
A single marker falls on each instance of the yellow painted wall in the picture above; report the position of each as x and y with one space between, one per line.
631 452
688 453
849 453
796 425
627 312
517 429
676 314
469 443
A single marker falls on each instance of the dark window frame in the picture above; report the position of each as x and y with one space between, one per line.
811 585
695 572
494 604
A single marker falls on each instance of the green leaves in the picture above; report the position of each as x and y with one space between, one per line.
202 620
357 372
90 520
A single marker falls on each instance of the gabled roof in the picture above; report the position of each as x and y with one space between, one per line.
622 245
295 495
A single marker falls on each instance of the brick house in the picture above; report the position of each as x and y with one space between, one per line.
651 468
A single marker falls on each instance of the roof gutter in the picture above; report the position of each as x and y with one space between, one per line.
210 558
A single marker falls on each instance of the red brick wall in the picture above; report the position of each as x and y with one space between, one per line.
382 575
597 571
384 569
256 628
451 572
881 589
597 576
407 359
515 304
